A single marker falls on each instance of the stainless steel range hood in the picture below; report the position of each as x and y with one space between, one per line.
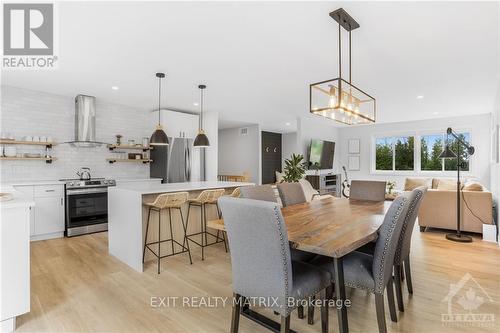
85 112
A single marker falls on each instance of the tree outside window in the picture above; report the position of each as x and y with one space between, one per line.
451 164
395 153
431 147
383 154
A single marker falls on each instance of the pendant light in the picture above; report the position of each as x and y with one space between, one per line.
159 137
338 99
201 139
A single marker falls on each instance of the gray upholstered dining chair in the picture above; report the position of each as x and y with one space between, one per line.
373 273
266 193
260 192
402 257
371 190
291 194
261 263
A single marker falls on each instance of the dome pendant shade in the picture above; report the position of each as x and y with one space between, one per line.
201 140
159 137
447 153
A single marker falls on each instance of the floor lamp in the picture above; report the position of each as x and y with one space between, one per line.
449 154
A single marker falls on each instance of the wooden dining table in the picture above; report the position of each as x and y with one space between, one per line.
332 227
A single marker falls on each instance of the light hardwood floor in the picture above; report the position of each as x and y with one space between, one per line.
78 287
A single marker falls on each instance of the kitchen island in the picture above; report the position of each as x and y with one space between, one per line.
127 217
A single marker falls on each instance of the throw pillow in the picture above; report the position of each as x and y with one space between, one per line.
413 183
473 186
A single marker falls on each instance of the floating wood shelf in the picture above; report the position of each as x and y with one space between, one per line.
46 159
140 147
113 160
31 143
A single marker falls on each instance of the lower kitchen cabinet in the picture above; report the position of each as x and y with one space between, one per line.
49 215
47 220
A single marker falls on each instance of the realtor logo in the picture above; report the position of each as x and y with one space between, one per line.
29 36
464 301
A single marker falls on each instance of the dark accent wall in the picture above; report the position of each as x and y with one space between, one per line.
271 156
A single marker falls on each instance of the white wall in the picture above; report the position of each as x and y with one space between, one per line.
27 112
289 145
315 127
240 153
211 127
495 167
478 126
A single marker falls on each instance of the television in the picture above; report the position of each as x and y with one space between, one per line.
321 154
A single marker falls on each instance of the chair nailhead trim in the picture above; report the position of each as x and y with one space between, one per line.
397 258
380 286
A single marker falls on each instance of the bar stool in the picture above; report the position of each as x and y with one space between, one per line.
236 193
167 201
207 197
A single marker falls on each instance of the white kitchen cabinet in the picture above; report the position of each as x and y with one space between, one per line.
47 220
49 215
14 261
177 124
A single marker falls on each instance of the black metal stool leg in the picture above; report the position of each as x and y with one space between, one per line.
202 234
205 223
171 231
187 221
185 237
146 236
159 238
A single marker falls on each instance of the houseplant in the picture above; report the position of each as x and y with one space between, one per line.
295 168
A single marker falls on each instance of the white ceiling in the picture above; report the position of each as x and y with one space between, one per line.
258 58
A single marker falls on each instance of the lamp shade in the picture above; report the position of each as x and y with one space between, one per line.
447 153
159 137
201 140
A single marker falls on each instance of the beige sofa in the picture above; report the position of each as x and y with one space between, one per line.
438 209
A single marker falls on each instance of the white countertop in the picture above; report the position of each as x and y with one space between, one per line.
19 199
153 188
32 182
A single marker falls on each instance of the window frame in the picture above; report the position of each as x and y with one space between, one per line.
417 166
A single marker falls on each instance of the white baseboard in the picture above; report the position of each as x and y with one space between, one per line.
47 236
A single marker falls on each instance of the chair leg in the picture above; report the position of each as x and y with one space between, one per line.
159 238
300 312
235 319
397 285
408 274
390 300
202 234
379 306
224 239
324 311
310 311
422 229
205 223
171 230
285 324
187 221
146 236
184 226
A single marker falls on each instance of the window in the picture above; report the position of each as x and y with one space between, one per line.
395 153
431 147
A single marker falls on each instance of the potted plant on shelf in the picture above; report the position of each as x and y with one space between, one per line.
295 168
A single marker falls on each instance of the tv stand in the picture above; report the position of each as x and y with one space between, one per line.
328 183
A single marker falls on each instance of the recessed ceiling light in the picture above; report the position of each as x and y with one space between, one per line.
195 104
287 124
114 87
420 97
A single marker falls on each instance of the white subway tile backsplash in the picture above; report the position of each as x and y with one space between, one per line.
29 113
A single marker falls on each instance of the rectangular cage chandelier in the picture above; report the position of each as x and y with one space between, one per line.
338 99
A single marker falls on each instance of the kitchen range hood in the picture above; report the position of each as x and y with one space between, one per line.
85 111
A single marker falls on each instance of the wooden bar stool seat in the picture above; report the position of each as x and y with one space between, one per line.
162 202
207 197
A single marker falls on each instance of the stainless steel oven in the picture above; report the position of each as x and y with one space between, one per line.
87 206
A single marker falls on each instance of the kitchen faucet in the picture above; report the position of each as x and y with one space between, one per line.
84 173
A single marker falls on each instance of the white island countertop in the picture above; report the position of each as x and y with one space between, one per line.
154 188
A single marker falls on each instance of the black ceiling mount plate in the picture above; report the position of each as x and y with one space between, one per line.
344 19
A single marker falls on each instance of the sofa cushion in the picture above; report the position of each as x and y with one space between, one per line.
447 184
413 183
473 186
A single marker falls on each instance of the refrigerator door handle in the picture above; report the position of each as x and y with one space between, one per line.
188 165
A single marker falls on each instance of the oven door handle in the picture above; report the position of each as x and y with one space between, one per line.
86 191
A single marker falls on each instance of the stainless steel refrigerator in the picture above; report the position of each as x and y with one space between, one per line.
178 162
